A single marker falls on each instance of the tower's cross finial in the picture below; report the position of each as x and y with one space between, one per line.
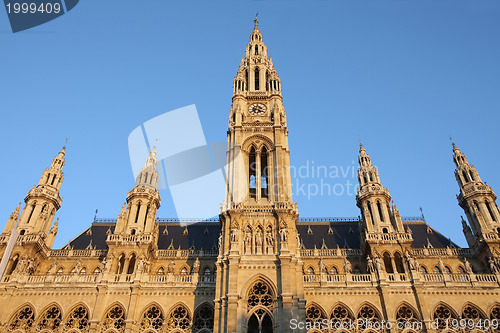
360 143
66 142
452 142
256 21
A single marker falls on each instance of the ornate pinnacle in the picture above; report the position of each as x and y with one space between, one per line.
256 21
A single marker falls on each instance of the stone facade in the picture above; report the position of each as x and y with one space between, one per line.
258 267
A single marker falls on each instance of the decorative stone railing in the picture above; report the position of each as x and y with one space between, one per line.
402 237
330 252
439 252
78 253
130 238
186 253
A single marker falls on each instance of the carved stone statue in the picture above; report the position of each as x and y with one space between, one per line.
283 235
493 266
378 264
220 240
258 237
21 266
369 265
31 266
248 240
468 267
269 238
347 266
53 268
322 267
441 266
234 235
171 266
140 265
78 266
196 266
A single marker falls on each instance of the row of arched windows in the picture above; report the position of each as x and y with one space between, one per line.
152 319
405 315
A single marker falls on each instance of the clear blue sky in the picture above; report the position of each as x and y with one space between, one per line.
403 75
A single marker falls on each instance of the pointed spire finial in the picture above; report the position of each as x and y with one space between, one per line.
65 143
360 143
256 21
452 142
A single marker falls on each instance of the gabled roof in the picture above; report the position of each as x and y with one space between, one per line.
319 232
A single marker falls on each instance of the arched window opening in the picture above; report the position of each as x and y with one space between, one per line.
137 213
179 319
22 320
398 260
461 270
447 270
14 265
357 270
464 174
53 180
32 210
252 166
370 211
121 264
490 211
203 319
114 319
314 316
260 322
334 270
152 319
379 207
256 48
132 232
310 271
22 232
444 315
423 270
369 315
207 271
78 319
264 174
406 317
160 271
260 295
385 231
184 271
388 263
471 174
365 177
50 319
257 81
437 270
146 215
471 312
495 313
131 264
370 177
341 314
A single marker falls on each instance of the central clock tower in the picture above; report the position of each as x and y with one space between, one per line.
259 282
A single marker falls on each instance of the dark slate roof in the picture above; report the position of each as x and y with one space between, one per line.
342 233
423 234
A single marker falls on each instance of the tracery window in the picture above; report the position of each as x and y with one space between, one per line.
115 319
334 270
369 315
495 314
203 319
152 319
50 319
341 314
179 319
443 314
259 295
78 319
405 317
314 315
23 319
472 312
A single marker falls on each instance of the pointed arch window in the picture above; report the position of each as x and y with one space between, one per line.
398 260
114 319
179 319
152 319
203 319
264 183
50 319
131 264
23 319
464 174
252 171
379 207
490 211
257 78
368 203
388 263
32 210
256 48
78 319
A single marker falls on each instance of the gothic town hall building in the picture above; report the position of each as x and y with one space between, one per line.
258 267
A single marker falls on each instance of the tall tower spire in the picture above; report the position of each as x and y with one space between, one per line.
142 201
374 201
258 218
43 201
477 200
